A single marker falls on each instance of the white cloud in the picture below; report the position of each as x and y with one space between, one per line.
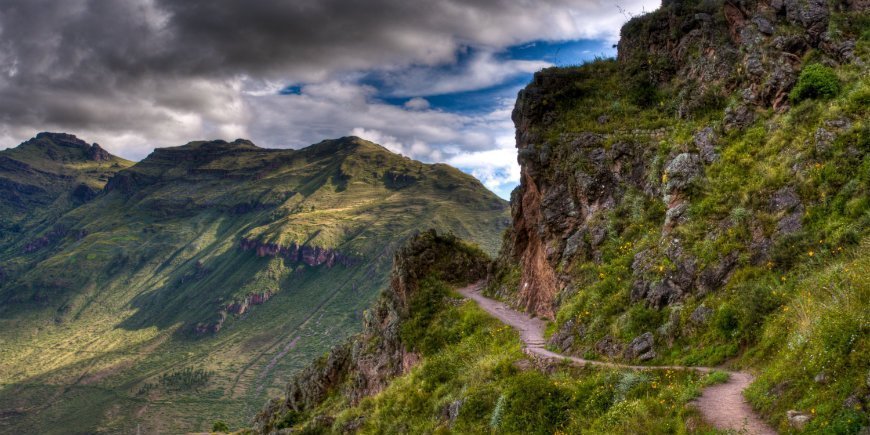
181 71
417 103
482 71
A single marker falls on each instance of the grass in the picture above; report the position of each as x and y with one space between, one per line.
476 362
113 311
815 349
788 308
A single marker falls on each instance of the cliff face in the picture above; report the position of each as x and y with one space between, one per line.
689 59
310 255
365 364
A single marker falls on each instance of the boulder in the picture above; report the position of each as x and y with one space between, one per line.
705 140
682 171
608 346
641 347
701 315
738 117
812 15
798 420
784 199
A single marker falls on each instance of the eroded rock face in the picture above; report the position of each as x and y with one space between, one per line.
310 255
556 209
570 181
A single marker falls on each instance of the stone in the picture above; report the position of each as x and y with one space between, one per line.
738 117
812 15
705 140
798 420
764 25
754 65
573 244
681 172
821 378
641 347
647 356
784 199
563 338
716 275
853 402
790 223
701 315
823 140
663 294
608 346
451 411
676 214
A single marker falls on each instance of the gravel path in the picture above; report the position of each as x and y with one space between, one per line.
722 405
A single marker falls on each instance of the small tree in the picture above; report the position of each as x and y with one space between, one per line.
815 81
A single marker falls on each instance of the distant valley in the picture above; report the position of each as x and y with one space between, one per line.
187 286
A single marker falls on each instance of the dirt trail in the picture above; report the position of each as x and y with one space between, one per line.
722 405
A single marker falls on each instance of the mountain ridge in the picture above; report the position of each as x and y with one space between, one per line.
205 262
701 200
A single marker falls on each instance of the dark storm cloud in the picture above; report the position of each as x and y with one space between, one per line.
163 71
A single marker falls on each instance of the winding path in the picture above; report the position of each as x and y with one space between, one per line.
722 405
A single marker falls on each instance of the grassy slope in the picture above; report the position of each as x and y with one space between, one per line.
801 314
38 179
472 359
92 322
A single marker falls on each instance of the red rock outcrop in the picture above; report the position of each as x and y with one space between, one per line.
310 255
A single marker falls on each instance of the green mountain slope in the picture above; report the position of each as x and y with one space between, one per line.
204 275
48 175
700 200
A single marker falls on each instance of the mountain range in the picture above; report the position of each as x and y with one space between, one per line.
187 286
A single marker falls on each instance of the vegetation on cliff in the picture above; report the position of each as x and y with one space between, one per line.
709 187
439 363
702 197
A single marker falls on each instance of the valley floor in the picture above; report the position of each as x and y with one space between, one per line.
722 405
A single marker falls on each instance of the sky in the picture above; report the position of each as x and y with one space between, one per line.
434 80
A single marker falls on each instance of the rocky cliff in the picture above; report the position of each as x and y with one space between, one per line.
365 364
687 61
310 255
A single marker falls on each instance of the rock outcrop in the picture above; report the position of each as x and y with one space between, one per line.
305 254
56 233
571 181
365 364
91 152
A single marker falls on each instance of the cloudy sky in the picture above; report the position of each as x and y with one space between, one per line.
431 79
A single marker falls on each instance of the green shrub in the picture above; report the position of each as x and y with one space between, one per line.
815 81
727 320
534 404
715 377
642 92
220 426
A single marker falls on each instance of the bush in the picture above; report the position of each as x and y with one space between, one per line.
220 426
815 81
533 404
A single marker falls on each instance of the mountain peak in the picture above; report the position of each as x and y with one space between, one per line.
65 147
217 145
62 139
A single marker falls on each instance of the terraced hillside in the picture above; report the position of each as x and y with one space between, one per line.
194 282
